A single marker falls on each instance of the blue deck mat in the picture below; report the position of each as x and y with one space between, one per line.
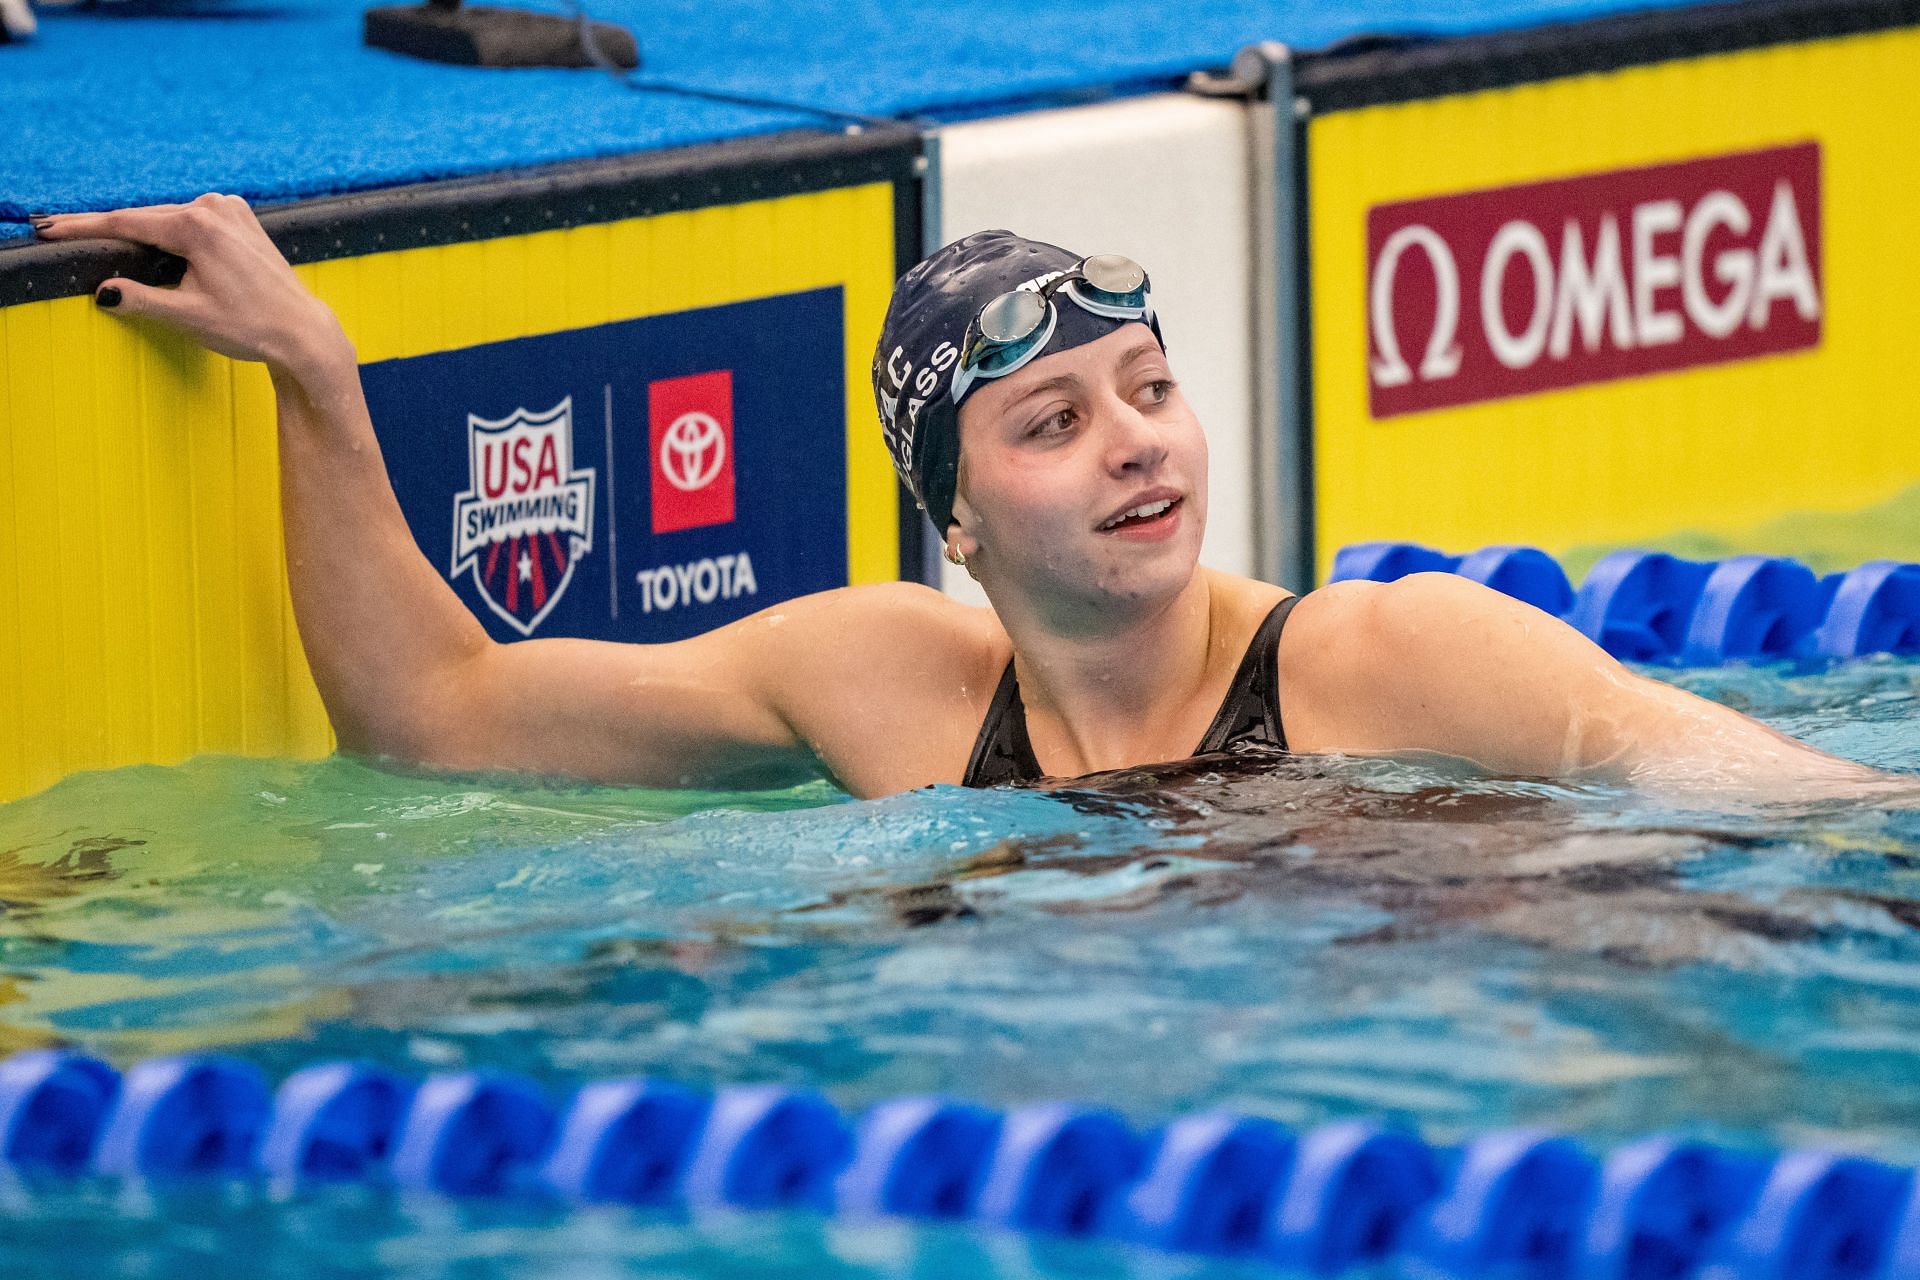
278 101
274 103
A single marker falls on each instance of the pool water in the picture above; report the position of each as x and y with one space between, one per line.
1303 939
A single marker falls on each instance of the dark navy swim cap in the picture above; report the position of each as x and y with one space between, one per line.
919 349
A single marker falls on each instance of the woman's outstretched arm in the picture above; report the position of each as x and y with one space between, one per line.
1437 663
405 670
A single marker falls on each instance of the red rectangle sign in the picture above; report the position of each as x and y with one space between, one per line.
690 431
1486 294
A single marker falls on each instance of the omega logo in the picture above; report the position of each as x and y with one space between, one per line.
1442 359
1484 294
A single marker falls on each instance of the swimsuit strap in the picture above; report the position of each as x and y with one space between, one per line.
1003 753
1248 715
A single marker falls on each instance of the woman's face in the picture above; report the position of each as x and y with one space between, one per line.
1083 478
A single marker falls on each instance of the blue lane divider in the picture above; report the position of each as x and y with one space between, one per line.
473 1133
335 1122
52 1107
1208 1187
1389 561
1819 1216
1872 609
764 1147
1054 1168
1903 1257
1639 606
1663 1202
1645 606
627 1140
924 1157
1513 1205
1752 608
184 1115
1525 573
1349 1197
1337 1198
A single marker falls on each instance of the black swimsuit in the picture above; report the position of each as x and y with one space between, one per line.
1250 714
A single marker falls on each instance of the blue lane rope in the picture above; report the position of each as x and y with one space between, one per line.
1343 1196
1644 606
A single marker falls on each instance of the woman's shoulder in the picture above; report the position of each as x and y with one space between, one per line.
887 682
1244 601
889 633
1359 657
1407 606
906 610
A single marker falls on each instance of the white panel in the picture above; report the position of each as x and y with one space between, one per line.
1164 180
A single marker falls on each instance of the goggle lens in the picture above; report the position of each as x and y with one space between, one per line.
1012 316
1006 356
1115 275
1011 327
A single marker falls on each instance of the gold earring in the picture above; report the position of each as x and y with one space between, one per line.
955 557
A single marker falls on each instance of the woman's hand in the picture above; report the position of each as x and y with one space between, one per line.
239 296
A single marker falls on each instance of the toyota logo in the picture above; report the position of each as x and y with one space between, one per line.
692 451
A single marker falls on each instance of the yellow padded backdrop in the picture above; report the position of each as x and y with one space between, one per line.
144 614
1814 454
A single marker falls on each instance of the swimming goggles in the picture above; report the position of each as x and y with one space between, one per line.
1015 327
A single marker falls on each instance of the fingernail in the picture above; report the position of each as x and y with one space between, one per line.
40 224
109 296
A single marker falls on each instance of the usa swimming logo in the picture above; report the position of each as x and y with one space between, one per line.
527 515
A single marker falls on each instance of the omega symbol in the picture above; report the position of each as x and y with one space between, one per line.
692 451
1442 359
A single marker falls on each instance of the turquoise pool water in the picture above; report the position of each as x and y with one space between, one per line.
1306 940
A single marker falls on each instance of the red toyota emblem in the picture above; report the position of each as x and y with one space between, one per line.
690 428
693 451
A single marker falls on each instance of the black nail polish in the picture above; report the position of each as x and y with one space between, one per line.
109 296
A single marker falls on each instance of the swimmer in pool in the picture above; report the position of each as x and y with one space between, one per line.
1029 404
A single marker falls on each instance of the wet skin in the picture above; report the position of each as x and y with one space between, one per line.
1124 645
